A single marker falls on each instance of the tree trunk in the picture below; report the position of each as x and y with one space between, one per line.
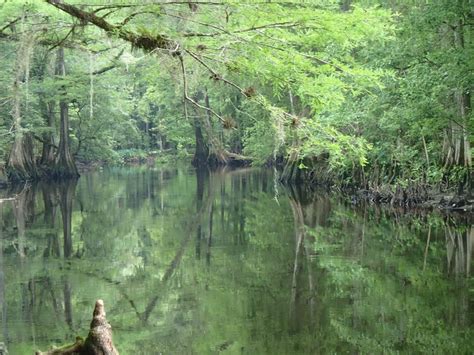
21 165
457 148
47 112
98 341
65 166
202 151
47 155
212 153
456 145
217 153
290 170
345 5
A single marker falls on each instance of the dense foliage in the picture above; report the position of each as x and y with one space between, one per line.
375 91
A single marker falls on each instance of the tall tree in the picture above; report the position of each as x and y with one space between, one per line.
65 166
21 164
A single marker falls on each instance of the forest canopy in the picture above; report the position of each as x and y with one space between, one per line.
369 92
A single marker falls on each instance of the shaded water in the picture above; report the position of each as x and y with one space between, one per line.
223 263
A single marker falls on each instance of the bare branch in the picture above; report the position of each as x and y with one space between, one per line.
185 87
215 75
61 42
206 108
109 67
296 3
131 16
223 30
108 7
285 24
187 98
235 35
10 23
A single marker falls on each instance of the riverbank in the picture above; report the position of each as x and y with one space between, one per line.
416 196
425 198
369 186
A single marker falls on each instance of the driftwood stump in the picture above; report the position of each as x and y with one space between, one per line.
98 341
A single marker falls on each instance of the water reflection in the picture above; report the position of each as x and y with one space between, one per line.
209 262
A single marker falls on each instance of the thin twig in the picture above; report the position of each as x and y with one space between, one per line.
187 98
235 35
63 40
215 75
10 23
285 24
185 87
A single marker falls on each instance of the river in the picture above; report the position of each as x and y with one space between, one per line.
230 262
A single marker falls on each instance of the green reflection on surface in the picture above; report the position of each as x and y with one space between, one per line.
209 263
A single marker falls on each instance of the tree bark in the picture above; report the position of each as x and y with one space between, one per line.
47 155
345 5
202 151
457 148
65 166
212 152
21 165
47 112
98 342
144 41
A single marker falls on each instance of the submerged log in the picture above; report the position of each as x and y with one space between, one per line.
98 342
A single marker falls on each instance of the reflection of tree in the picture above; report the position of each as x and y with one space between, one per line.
49 199
385 276
38 288
304 275
209 237
201 175
459 246
67 189
298 263
202 178
23 209
67 293
194 224
309 210
3 301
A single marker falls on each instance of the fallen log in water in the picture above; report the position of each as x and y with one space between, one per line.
98 341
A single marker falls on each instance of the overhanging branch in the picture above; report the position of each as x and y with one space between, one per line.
144 41
187 98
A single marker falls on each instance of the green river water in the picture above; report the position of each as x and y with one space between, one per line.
230 262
